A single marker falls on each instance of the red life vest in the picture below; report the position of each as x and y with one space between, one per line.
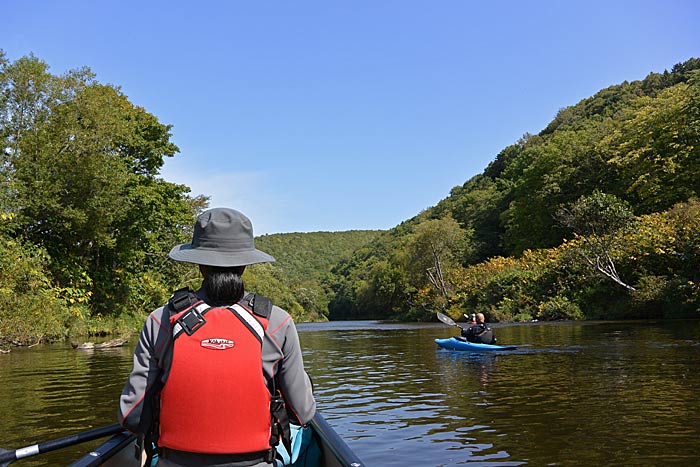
216 399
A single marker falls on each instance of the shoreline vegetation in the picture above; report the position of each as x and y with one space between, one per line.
595 217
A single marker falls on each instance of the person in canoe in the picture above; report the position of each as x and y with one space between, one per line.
479 332
196 390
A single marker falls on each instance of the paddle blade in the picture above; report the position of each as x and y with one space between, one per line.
446 319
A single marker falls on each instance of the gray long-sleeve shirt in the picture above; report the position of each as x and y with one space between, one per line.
281 354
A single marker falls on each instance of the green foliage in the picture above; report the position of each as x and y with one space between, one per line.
418 268
596 214
559 169
371 284
300 280
30 308
559 308
79 179
652 294
313 255
506 288
631 148
659 254
655 147
476 206
265 280
434 251
599 219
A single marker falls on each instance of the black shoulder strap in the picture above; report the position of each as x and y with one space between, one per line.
182 299
261 306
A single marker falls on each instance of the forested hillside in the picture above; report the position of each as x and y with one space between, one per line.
300 280
594 217
597 216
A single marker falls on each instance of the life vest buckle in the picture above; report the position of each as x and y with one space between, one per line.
191 321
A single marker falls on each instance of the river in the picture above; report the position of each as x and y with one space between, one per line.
572 394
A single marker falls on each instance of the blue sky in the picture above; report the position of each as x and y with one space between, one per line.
338 115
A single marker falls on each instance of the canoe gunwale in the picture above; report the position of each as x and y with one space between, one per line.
329 439
106 450
336 453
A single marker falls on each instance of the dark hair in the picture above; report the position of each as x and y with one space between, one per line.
223 286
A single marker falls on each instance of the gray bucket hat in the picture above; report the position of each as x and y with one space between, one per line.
222 237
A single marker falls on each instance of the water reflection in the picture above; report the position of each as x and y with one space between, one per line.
565 389
571 394
53 391
384 391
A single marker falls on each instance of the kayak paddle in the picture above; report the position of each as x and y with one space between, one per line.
7 457
447 320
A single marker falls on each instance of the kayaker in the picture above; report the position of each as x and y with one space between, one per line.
196 387
479 332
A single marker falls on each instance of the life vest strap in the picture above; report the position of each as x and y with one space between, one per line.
261 306
182 299
191 320
280 429
249 321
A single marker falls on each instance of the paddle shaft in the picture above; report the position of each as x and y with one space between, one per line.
7 457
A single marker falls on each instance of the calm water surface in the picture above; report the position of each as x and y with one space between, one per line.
572 394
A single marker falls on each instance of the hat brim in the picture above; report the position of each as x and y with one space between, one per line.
187 254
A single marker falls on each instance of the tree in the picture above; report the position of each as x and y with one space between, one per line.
656 147
434 251
80 175
597 218
476 206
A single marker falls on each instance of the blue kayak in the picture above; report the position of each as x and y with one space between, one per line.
454 343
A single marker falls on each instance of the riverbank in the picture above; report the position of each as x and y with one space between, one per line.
29 328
